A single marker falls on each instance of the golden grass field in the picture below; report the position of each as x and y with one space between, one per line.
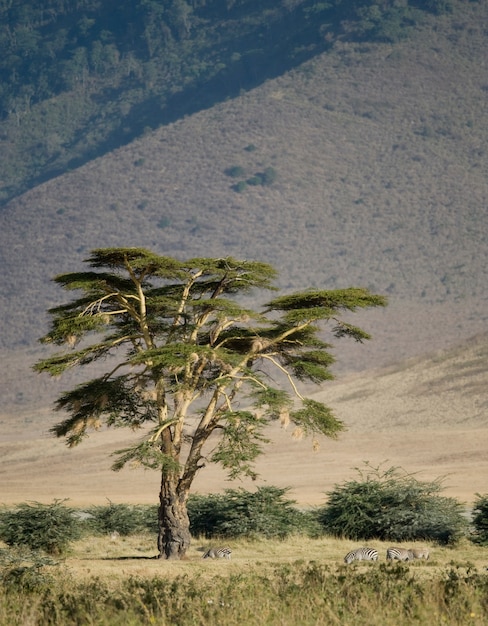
134 556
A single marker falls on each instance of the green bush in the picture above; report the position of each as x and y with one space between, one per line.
126 519
255 180
240 186
164 222
236 171
480 519
48 527
392 506
269 176
264 513
24 569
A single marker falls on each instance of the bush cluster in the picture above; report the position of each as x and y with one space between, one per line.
265 178
236 513
392 506
47 527
125 519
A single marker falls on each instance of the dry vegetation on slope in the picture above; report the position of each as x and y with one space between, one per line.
381 164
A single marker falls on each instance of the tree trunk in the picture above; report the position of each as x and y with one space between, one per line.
174 523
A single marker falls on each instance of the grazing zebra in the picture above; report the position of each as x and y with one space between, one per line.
420 553
402 554
217 553
361 554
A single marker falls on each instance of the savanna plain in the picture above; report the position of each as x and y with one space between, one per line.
406 415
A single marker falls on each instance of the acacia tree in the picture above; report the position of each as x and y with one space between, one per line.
187 356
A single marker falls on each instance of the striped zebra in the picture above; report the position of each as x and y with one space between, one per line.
217 553
361 554
420 553
401 554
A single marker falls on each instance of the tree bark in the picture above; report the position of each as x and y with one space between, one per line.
174 524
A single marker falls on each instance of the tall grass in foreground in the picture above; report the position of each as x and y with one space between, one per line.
301 593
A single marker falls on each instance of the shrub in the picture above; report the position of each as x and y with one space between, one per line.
240 186
265 513
126 519
392 506
236 171
480 519
149 518
269 176
164 222
25 569
48 527
255 180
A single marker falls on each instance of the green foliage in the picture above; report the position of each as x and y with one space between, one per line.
164 222
184 338
255 180
393 506
124 519
265 178
439 6
239 445
239 513
240 186
24 569
269 176
480 519
236 171
48 527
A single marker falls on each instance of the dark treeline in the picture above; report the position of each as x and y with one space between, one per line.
78 78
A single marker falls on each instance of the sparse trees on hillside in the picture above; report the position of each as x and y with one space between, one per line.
192 366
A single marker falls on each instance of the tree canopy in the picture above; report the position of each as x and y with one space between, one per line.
187 360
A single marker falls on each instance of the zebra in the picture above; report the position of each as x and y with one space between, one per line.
217 553
402 554
361 554
419 553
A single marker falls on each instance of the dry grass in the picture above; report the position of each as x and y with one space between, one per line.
134 556
292 582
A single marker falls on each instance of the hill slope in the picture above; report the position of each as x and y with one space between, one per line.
426 415
381 180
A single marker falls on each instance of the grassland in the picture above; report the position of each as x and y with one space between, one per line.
294 582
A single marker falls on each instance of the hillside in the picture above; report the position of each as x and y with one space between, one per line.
379 156
78 79
427 415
